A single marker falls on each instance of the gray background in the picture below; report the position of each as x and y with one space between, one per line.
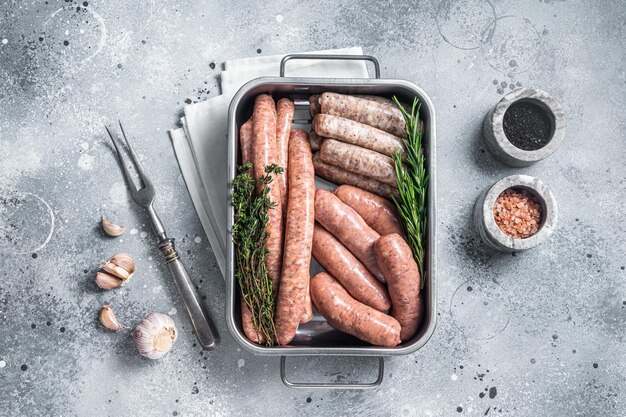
540 334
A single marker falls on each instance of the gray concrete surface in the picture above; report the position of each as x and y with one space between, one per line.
536 334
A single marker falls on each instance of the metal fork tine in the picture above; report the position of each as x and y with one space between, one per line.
129 180
142 174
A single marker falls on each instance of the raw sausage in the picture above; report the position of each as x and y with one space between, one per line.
359 134
379 213
341 176
314 104
298 238
245 142
284 117
349 228
378 115
377 99
316 141
355 278
386 101
403 281
350 316
248 327
307 312
264 154
359 160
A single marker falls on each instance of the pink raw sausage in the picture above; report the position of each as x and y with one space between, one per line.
349 228
379 213
294 286
264 154
350 316
403 282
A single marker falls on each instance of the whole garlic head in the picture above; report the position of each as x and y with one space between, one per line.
155 335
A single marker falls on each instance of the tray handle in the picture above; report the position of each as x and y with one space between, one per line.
327 385
331 57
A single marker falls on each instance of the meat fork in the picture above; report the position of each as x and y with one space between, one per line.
200 319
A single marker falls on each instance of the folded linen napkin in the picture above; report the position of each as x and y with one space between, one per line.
201 145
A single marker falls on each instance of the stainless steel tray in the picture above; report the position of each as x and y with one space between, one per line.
317 337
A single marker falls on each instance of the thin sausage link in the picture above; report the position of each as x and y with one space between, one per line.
359 134
378 115
264 154
284 117
359 160
291 305
248 327
341 176
245 142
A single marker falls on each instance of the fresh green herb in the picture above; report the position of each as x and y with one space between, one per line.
412 184
249 237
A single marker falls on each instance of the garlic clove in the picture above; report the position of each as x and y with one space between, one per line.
112 229
121 266
155 335
107 281
108 319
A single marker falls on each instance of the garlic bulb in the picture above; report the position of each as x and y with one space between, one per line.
115 272
112 229
108 319
155 335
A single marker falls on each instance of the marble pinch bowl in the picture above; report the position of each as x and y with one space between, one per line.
499 145
485 222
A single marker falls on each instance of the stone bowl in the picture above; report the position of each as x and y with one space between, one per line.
500 146
485 222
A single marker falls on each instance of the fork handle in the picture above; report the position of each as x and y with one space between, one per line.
203 325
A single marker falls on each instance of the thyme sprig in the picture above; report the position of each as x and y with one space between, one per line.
249 237
413 185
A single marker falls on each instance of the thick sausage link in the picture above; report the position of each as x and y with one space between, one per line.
264 154
350 316
359 134
341 176
349 228
284 117
381 116
314 104
359 160
403 282
316 141
355 278
248 327
298 238
379 213
245 142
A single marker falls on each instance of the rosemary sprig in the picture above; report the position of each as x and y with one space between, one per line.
249 237
412 185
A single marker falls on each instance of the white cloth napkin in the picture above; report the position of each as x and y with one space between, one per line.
201 145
